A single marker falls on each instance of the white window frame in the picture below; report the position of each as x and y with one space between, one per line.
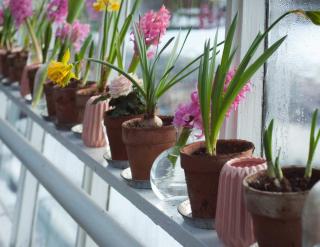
247 122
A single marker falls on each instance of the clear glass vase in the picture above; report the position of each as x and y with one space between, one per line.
168 181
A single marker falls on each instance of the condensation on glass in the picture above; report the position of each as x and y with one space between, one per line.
292 86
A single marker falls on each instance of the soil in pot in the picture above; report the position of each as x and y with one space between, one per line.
114 133
202 172
143 145
277 215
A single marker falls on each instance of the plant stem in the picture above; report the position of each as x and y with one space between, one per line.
134 63
181 142
35 42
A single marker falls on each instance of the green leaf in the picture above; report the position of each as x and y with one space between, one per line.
313 16
40 79
75 7
84 47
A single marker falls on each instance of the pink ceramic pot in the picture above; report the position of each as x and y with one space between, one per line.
233 222
24 82
93 133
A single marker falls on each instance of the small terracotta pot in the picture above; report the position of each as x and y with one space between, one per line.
3 57
114 133
24 81
48 92
93 134
17 61
233 222
67 114
83 95
276 215
202 172
144 145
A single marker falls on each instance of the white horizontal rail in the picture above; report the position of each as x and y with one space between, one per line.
97 223
161 213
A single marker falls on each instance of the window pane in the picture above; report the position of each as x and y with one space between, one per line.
292 82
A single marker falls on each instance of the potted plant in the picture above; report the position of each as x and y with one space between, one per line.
145 138
113 35
275 198
125 101
215 101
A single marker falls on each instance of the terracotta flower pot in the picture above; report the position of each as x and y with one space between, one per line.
67 114
233 222
83 95
48 92
114 133
25 80
32 71
17 61
143 145
202 172
3 57
277 215
93 134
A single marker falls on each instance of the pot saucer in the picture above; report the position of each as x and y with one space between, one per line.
137 184
28 98
118 164
77 130
46 116
63 127
185 210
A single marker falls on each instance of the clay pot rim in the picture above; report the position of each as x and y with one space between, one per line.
125 125
183 150
105 115
269 193
256 161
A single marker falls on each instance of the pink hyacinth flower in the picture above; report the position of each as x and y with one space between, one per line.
241 96
63 31
189 115
79 33
57 10
20 10
154 25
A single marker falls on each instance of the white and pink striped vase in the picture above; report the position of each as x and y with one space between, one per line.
93 133
233 222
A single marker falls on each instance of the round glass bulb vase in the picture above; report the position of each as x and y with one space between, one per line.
168 181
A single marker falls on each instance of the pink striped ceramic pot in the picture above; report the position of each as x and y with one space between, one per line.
24 82
93 133
233 222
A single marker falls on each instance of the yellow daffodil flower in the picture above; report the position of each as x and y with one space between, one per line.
114 5
110 5
61 73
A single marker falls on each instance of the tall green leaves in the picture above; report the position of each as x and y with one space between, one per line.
215 99
154 88
314 141
74 7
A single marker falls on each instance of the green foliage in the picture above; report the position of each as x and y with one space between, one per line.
75 7
214 102
314 141
126 105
